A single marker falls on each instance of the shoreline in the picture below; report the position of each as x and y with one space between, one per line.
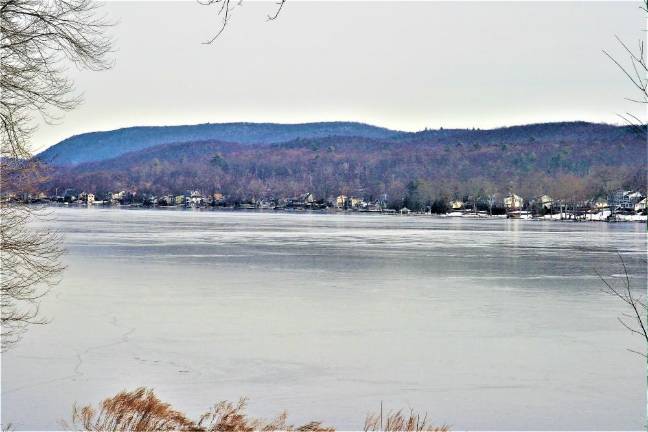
335 211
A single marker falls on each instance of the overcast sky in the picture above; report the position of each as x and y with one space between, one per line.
402 65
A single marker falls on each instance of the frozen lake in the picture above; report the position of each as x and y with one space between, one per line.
488 324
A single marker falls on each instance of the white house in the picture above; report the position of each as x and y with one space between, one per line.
623 200
456 204
117 196
546 202
307 198
513 201
194 198
355 202
600 203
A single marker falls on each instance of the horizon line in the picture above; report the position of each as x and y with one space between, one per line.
467 128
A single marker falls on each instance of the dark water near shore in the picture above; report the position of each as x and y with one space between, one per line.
484 324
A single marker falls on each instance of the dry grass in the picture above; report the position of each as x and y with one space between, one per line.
396 421
141 410
229 417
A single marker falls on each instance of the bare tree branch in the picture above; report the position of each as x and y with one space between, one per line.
634 321
38 40
280 5
225 8
636 73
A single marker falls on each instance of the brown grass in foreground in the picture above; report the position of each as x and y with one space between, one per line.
141 410
395 422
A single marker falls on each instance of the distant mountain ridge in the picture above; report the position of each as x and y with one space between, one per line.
573 130
100 146
97 146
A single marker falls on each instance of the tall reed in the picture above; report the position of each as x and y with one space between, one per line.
141 410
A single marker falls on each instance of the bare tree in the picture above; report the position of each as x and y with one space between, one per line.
636 71
30 264
39 39
225 8
635 319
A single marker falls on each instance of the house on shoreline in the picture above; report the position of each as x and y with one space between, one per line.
513 202
618 203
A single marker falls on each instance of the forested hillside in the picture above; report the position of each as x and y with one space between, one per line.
565 160
96 146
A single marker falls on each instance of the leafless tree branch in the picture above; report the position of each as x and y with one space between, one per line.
635 320
636 73
38 40
280 5
224 10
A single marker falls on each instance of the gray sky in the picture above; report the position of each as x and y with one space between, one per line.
403 65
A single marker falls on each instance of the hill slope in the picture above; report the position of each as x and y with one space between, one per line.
575 160
96 146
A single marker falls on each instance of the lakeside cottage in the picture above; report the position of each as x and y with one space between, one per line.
456 204
194 199
513 202
343 201
546 202
355 202
600 203
619 205
117 196
307 198
623 200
